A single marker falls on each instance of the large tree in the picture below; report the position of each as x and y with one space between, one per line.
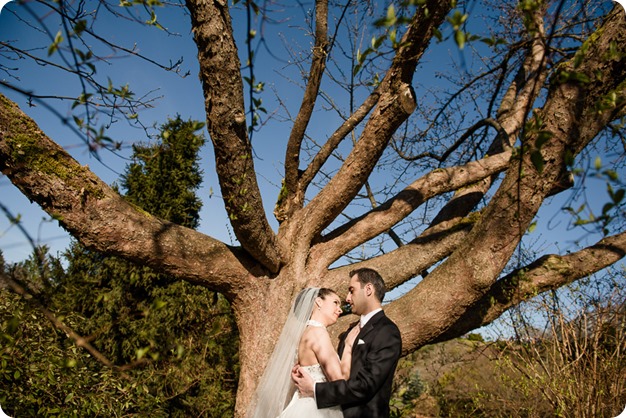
488 155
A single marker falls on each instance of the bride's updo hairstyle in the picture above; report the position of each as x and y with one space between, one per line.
321 293
324 291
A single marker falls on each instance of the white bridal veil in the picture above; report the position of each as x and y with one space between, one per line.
275 387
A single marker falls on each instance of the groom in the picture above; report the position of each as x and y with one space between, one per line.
375 355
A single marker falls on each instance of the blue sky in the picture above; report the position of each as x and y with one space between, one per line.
182 96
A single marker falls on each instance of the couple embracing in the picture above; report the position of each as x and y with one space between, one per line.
354 381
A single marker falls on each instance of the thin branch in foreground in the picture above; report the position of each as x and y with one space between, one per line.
22 290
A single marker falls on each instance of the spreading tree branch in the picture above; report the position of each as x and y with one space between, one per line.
411 259
511 114
95 214
318 65
224 104
474 267
383 217
549 272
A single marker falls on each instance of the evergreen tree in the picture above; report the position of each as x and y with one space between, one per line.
164 177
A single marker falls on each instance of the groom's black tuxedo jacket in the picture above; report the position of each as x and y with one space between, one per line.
375 356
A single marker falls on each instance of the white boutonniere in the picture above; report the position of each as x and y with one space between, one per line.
360 342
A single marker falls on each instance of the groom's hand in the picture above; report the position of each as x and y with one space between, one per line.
303 381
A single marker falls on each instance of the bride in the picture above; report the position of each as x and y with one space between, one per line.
303 340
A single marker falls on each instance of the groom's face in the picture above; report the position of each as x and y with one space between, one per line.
356 297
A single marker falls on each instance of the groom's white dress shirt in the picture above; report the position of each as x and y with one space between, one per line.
365 318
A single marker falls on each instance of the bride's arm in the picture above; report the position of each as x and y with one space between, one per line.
346 361
334 369
327 356
346 356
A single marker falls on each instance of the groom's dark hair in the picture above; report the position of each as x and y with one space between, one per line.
366 275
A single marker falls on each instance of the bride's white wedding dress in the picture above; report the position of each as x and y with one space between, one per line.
306 407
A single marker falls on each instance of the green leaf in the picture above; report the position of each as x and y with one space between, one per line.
537 159
55 44
437 34
457 19
392 36
141 352
493 41
376 42
542 138
611 174
82 99
153 18
391 15
80 27
459 38
389 20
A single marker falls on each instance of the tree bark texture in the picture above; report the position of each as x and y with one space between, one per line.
226 122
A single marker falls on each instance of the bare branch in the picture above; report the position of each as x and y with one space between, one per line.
74 54
547 273
501 137
292 156
514 108
437 182
396 103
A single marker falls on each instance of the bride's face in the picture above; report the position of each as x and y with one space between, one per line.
329 309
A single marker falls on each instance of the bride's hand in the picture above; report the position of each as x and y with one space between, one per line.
351 337
303 381
296 369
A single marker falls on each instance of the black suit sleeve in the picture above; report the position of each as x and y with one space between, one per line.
373 364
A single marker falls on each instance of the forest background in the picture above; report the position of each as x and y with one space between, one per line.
140 348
